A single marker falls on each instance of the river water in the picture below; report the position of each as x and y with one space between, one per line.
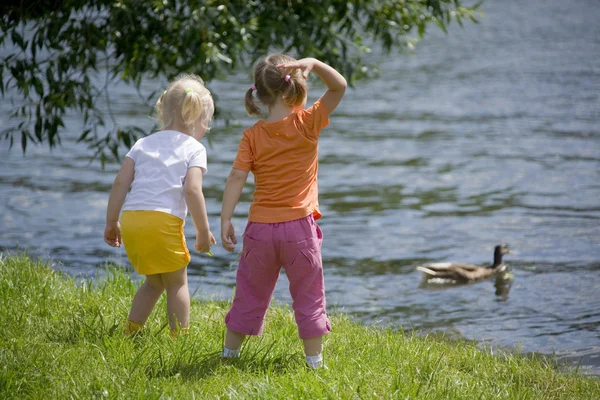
489 134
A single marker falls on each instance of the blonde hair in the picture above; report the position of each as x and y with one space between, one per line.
270 83
185 101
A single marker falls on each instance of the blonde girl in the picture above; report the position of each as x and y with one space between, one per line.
281 152
164 172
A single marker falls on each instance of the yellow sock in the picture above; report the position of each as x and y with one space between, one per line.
176 332
132 327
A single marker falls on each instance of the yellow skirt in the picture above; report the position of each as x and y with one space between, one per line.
154 241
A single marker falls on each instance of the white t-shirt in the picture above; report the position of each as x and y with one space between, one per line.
161 163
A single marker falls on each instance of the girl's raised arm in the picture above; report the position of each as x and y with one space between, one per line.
335 82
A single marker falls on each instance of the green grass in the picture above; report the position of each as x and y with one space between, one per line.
62 339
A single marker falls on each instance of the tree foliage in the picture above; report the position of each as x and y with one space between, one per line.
53 52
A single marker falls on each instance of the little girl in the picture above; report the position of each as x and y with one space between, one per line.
281 152
164 171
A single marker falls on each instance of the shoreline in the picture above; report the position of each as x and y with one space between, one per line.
63 338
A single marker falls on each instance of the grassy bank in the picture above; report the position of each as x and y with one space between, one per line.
61 340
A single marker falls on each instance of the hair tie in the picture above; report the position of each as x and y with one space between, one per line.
287 78
165 92
253 87
188 90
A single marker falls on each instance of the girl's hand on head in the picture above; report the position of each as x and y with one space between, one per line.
305 64
228 239
203 242
112 234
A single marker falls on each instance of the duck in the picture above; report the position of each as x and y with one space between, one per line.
461 272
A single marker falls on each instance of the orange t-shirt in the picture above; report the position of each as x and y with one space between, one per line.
283 157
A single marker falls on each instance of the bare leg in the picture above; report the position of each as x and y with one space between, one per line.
178 298
145 299
233 340
313 346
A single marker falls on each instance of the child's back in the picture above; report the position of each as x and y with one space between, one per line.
283 158
281 152
162 160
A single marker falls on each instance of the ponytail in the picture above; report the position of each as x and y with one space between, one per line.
251 107
191 109
295 92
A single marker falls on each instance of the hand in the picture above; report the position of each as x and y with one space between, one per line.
203 242
112 234
305 65
228 239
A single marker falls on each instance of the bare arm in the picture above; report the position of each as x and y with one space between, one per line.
335 82
194 198
120 187
231 196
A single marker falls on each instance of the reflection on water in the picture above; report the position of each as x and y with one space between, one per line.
502 284
485 135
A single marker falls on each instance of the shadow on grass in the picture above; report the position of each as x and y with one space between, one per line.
189 361
210 364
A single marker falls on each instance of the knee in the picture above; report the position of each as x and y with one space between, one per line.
174 281
174 285
155 283
175 288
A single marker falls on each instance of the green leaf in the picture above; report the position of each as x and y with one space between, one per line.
39 87
84 135
24 140
440 23
18 40
2 79
38 123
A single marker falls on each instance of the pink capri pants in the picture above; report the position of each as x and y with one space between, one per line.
295 246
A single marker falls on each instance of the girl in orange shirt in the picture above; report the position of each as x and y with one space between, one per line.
281 152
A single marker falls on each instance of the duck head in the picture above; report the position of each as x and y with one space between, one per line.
499 251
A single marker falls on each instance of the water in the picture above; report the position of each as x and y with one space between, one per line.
488 134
